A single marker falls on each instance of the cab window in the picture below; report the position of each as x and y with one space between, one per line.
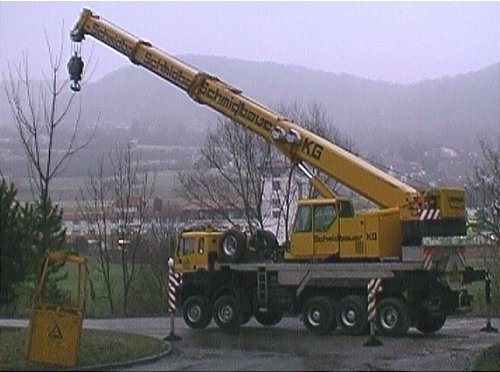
346 209
201 246
324 216
187 246
303 220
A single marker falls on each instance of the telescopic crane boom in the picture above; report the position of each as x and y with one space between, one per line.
297 143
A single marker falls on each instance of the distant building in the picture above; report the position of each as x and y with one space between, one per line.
274 199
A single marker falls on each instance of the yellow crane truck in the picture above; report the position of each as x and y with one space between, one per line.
322 272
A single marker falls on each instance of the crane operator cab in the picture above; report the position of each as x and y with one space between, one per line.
328 229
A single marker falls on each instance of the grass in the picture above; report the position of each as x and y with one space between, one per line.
478 309
478 303
96 347
489 360
97 305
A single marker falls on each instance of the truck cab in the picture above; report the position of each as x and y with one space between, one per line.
196 249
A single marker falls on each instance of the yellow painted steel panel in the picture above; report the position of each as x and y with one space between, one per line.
54 336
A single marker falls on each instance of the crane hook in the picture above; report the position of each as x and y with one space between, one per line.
75 69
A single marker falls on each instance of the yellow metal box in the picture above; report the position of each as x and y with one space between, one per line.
54 336
56 325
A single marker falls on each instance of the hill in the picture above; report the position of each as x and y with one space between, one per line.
450 111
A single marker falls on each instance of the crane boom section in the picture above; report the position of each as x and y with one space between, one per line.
350 170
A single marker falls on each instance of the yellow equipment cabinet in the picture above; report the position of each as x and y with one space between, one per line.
55 328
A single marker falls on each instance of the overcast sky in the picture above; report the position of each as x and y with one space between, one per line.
393 41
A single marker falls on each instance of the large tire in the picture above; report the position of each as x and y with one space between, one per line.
226 313
246 309
352 317
265 243
196 312
318 315
427 323
393 317
232 247
269 318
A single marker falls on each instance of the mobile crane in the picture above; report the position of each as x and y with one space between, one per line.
332 252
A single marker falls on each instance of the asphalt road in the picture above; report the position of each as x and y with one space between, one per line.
290 347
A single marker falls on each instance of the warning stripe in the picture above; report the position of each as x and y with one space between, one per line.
174 285
374 286
429 214
428 255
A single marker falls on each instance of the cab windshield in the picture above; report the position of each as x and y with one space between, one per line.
186 246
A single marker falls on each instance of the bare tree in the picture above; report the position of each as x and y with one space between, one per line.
133 189
236 164
163 233
483 191
117 208
40 111
95 208
152 280
229 176
41 115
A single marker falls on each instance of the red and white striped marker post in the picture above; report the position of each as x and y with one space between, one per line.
374 286
173 288
428 256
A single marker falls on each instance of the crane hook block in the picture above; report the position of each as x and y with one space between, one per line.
75 69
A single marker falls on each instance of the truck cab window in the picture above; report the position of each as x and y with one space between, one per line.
324 216
187 246
346 209
303 220
201 246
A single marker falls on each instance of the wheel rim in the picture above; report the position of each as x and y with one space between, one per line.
194 313
314 317
349 317
229 246
389 317
225 314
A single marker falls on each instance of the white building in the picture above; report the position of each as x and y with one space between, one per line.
276 193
